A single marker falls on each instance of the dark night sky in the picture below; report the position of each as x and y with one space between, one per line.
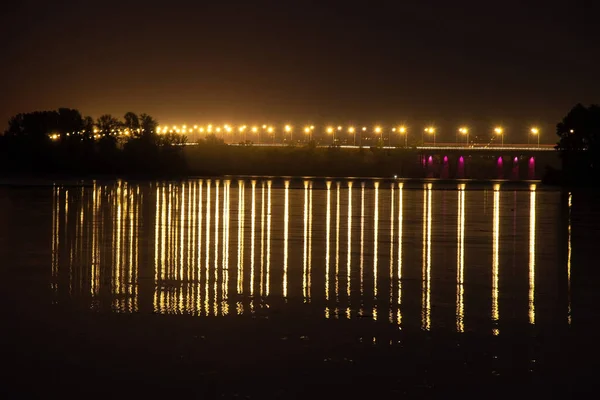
444 62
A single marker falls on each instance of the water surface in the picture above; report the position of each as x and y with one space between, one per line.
279 287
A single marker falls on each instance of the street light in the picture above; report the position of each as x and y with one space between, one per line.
378 131
307 130
431 130
288 129
535 131
465 131
499 131
403 131
331 131
352 131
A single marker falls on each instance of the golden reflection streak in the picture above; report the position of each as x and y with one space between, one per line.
391 314
226 221
426 307
117 268
337 243
180 271
193 223
131 267
286 220
199 239
240 272
375 246
56 238
190 228
216 251
362 244
495 259
305 256
252 238
460 260
310 214
268 283
95 276
327 244
400 222
569 262
532 212
163 233
207 248
156 238
262 236
349 250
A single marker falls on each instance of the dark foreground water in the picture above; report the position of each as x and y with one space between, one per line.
242 288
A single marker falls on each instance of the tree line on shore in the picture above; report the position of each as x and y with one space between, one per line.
65 142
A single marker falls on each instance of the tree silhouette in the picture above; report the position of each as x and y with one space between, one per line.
132 123
579 143
107 124
148 125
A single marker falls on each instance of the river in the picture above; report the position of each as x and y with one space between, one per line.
282 288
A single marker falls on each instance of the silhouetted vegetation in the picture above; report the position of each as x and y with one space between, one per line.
65 142
579 147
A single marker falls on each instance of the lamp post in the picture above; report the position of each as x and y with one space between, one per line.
353 132
535 131
331 131
288 129
465 131
499 131
403 131
430 130
307 130
378 131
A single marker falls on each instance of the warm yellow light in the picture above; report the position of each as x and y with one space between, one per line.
463 130
254 129
307 129
498 130
329 129
218 129
270 129
288 128
195 126
201 130
377 129
393 129
535 131
339 128
242 128
157 130
184 127
183 131
430 130
264 127
402 129
364 128
351 129
174 127
312 127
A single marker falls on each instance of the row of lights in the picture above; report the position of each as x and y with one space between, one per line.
307 129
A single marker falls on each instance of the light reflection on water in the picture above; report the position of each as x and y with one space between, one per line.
216 247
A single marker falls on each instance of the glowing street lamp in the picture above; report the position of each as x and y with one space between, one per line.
535 131
308 131
288 129
353 132
331 131
464 131
402 130
431 131
499 131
